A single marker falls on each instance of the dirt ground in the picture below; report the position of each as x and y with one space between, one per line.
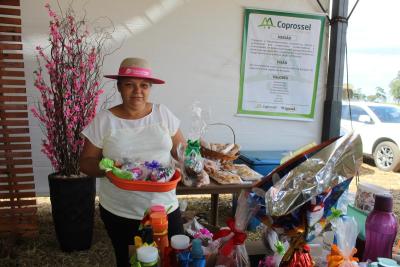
389 180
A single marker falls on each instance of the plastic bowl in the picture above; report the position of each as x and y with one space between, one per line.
145 186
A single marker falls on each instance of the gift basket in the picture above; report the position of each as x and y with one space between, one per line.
298 200
141 176
223 153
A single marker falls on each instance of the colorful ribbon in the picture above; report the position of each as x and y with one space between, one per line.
336 257
238 238
192 145
335 213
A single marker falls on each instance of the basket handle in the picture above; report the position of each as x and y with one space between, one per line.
224 124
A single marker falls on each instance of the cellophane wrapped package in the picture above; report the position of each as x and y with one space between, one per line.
346 232
300 197
232 251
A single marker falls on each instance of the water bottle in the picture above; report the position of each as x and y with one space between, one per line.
381 229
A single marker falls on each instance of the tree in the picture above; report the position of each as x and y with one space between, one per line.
359 95
395 88
371 98
380 94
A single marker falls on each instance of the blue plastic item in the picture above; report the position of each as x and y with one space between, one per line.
198 259
262 161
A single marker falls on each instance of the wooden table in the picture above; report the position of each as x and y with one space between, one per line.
214 189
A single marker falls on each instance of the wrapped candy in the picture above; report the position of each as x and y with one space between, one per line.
193 161
109 165
275 247
194 229
190 158
137 170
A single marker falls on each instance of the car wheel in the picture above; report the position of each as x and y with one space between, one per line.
387 156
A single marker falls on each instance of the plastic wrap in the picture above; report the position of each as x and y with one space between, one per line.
191 161
301 196
232 251
329 167
346 232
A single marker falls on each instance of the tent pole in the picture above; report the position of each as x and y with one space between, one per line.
337 47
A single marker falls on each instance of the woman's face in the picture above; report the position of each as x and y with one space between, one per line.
134 92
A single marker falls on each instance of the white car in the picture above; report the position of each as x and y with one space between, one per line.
379 128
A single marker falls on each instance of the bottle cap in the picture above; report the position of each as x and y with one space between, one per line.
147 235
147 254
180 242
157 208
197 250
383 203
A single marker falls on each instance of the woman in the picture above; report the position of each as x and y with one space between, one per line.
134 129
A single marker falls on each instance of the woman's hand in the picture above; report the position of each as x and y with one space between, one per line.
89 160
176 140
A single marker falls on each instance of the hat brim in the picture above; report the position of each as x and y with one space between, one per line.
153 80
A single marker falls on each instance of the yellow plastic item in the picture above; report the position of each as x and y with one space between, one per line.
297 152
138 242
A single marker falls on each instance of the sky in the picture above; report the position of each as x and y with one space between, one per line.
373 41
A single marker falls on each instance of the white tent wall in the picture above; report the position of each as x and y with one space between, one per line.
195 45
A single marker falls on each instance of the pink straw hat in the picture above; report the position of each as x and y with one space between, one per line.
135 68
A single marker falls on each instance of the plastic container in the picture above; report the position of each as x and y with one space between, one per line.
381 229
145 186
198 259
262 162
159 222
360 216
365 196
147 256
179 244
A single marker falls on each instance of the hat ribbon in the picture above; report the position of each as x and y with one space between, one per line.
132 71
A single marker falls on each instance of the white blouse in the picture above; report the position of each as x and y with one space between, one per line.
144 139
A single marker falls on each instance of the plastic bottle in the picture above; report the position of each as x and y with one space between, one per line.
198 259
147 256
159 223
381 229
179 244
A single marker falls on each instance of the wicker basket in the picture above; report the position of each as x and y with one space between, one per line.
215 155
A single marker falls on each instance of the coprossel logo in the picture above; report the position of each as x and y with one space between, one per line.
266 22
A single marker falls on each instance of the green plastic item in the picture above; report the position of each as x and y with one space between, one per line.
108 165
360 216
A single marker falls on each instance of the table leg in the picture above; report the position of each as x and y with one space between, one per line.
234 203
214 209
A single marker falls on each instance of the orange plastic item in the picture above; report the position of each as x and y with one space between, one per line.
145 185
159 222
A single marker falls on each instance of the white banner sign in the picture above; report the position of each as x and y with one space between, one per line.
280 64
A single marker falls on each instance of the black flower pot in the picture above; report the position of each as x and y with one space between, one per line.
72 206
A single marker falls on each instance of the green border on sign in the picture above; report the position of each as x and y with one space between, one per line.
247 13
